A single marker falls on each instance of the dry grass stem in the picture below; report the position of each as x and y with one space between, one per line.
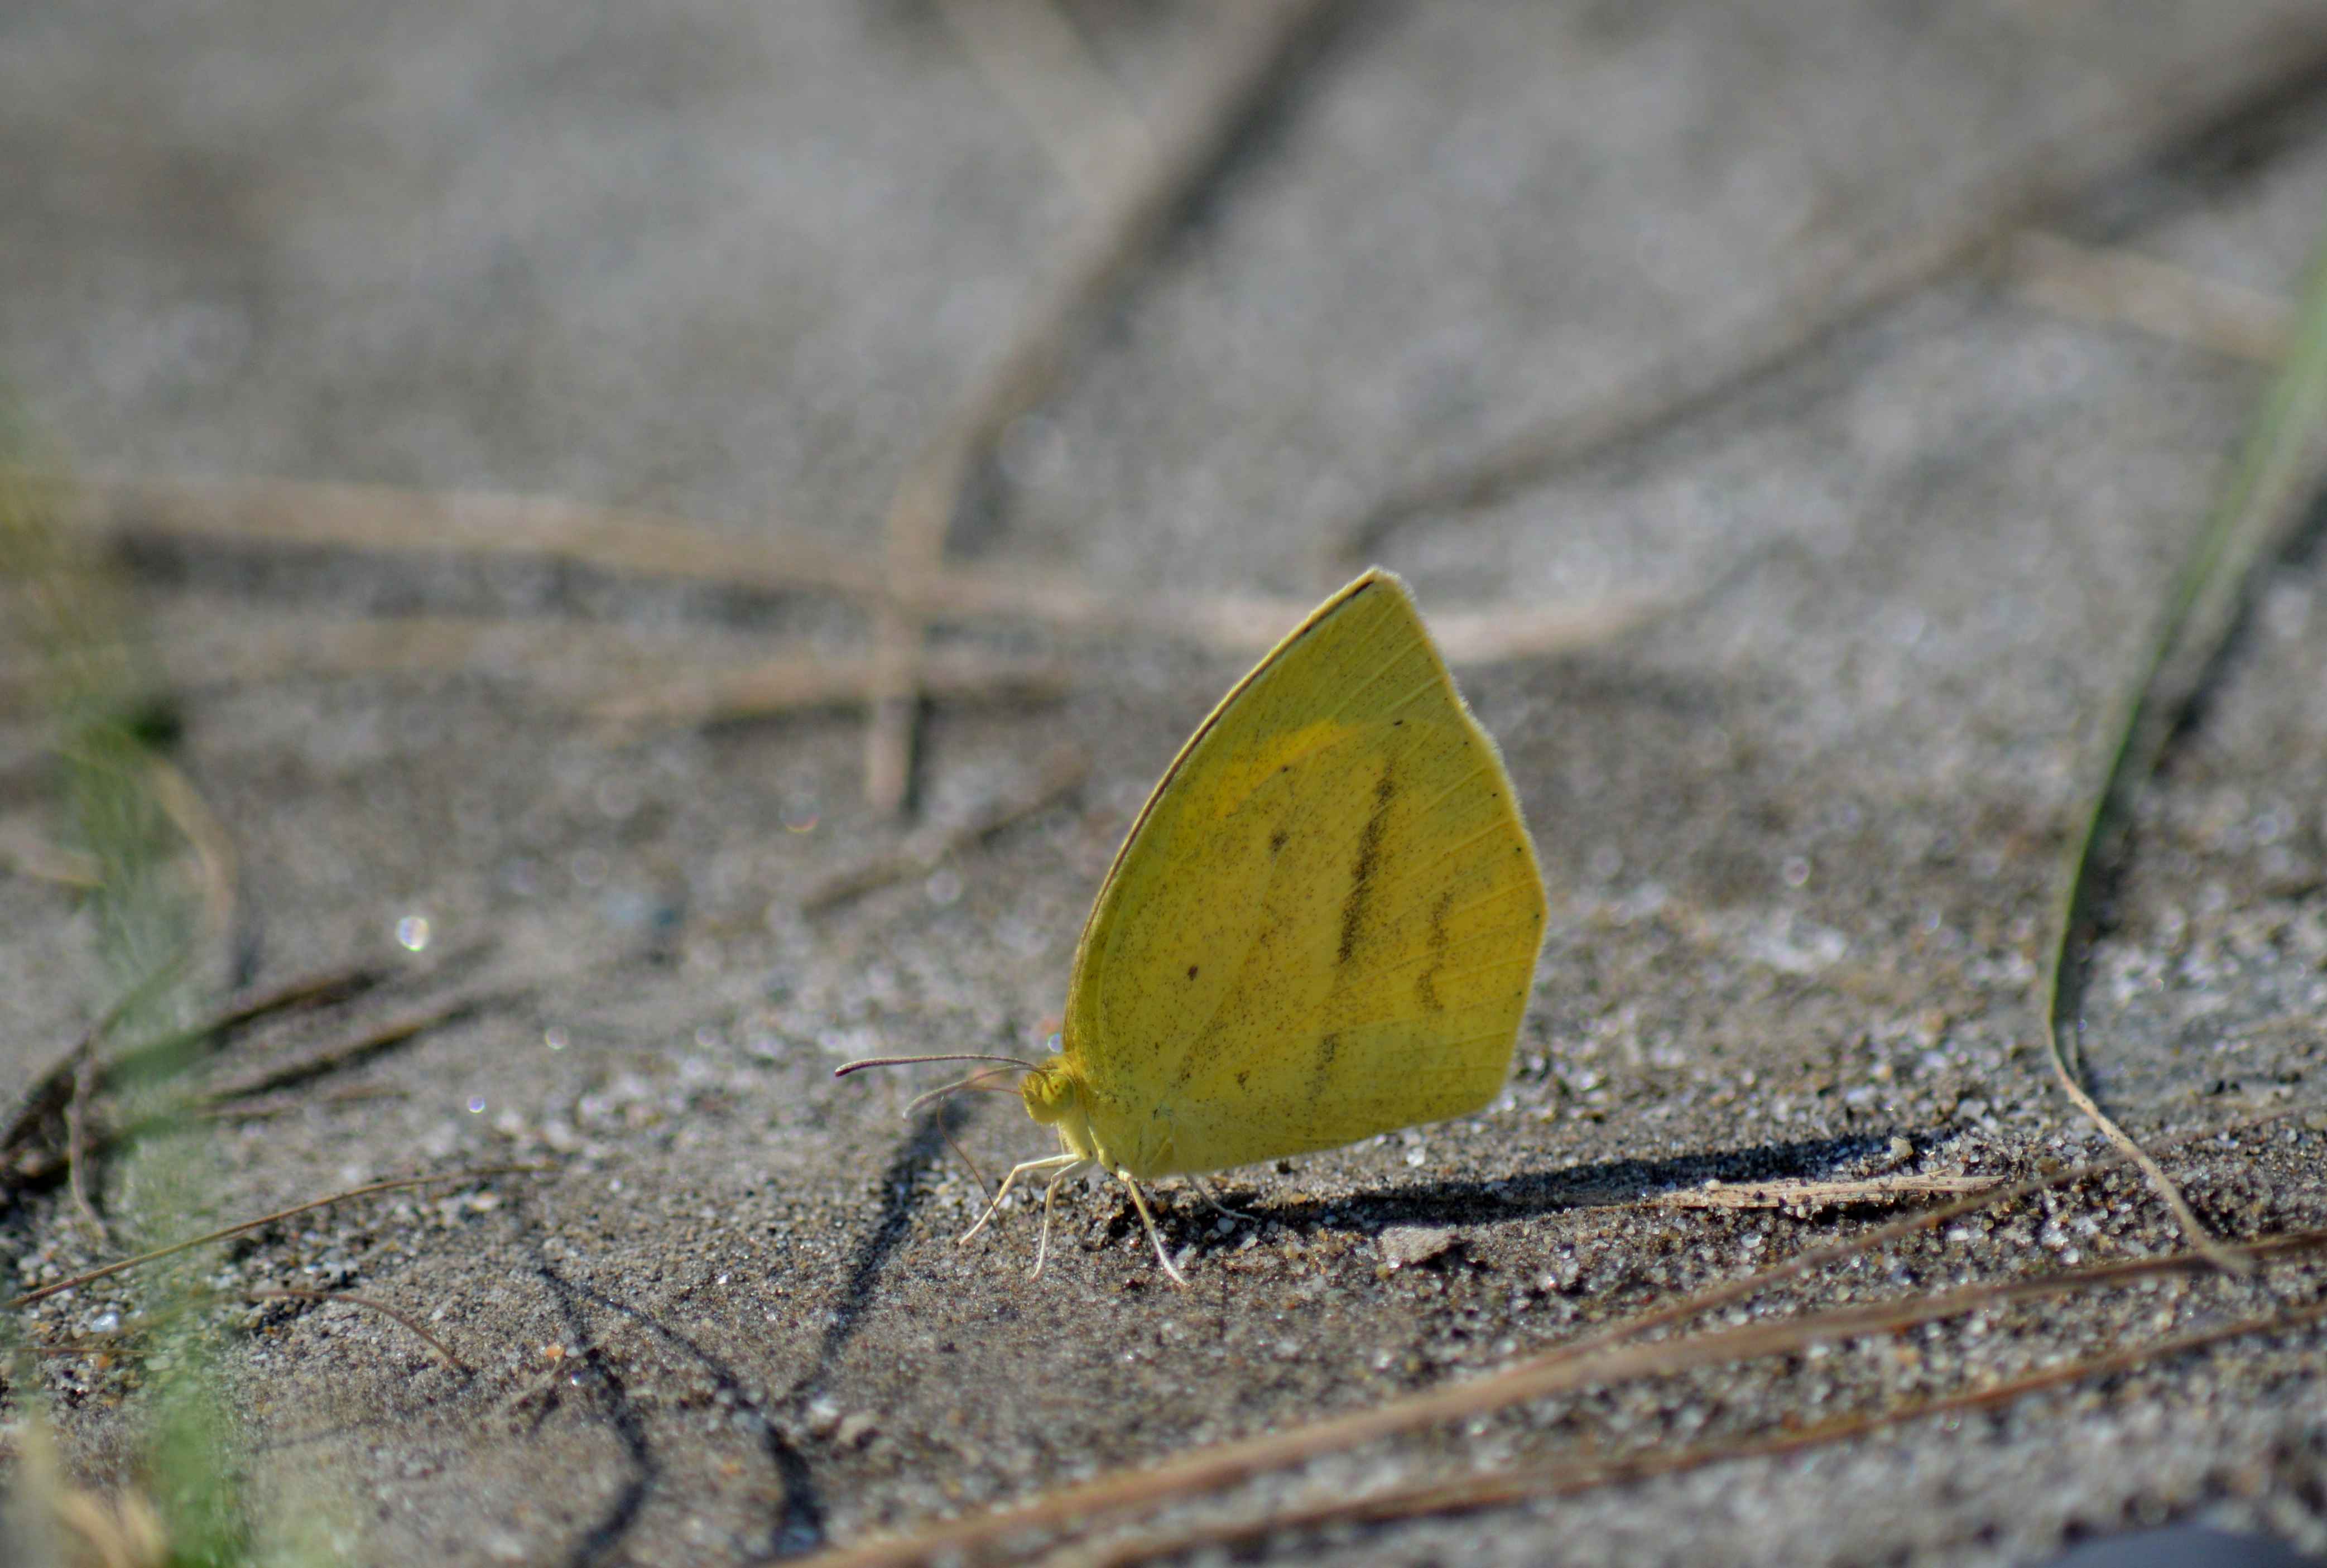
316 988
349 1298
1811 1260
1192 132
772 686
59 1525
261 1107
25 852
52 1095
2118 288
220 643
1850 275
91 1275
385 520
683 674
212 846
1031 55
601 666
27 1151
2268 491
1061 773
1805 1195
271 512
77 1110
358 1045
89 1344
2168 1190
111 1530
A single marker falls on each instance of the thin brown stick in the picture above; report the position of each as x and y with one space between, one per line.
383 519
175 1248
2267 493
1806 1195
1728 1292
1601 1357
690 674
77 1110
264 511
1515 1485
349 1298
1031 55
316 988
221 641
770 687
1235 74
212 846
2117 287
85 1344
1062 772
358 1045
25 852
51 1093
1856 275
258 1108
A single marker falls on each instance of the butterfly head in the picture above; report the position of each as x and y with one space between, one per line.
1054 1096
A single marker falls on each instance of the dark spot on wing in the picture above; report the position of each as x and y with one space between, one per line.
1192 971
1241 1077
1320 1075
1362 873
1425 987
1276 841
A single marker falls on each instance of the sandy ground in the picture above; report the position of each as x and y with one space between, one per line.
734 263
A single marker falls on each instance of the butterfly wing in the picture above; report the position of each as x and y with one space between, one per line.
1324 922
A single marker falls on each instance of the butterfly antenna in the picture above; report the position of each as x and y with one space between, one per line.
977 1080
862 1062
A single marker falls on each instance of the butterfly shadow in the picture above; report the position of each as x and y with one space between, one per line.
1528 1194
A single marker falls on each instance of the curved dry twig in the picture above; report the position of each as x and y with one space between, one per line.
1189 138
91 1276
349 1298
83 1344
2278 471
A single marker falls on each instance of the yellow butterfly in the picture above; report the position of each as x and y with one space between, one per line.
1322 925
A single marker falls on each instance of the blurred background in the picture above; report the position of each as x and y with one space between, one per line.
675 537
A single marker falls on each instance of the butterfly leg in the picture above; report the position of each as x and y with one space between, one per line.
1217 1207
1054 1162
1042 1247
1139 1198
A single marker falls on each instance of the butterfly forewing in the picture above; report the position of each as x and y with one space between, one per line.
1325 921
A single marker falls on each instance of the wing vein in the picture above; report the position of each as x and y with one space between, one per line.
1464 782
1367 685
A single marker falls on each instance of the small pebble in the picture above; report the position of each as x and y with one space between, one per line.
1403 1246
